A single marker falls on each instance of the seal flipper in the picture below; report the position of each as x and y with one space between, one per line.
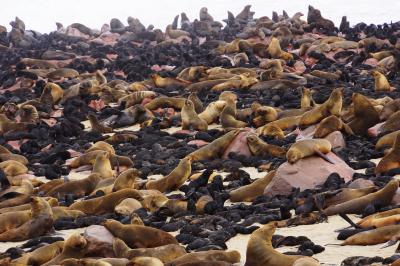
323 156
347 219
390 243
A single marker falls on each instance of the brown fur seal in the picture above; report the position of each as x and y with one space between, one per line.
211 255
190 119
13 168
387 140
164 102
330 124
78 188
228 116
235 83
260 251
332 106
365 115
390 160
253 190
161 82
215 149
381 82
7 125
137 236
389 109
374 236
380 219
96 126
145 261
175 179
40 255
52 93
165 253
62 211
102 165
390 125
62 73
308 147
40 223
127 206
306 98
126 179
136 98
74 247
383 196
258 147
271 130
275 50
10 220
28 114
342 195
212 111
102 146
14 157
105 204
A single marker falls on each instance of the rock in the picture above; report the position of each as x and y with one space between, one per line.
239 145
337 140
361 183
307 173
100 241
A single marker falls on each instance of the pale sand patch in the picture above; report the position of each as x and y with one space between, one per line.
321 234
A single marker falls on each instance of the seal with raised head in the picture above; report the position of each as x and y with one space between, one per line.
390 160
190 119
308 147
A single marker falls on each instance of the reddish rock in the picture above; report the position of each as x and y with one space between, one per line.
307 173
100 241
239 144
375 130
361 183
337 140
198 142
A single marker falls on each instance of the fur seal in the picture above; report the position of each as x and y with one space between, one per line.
389 109
62 73
374 236
228 116
390 125
380 219
253 190
258 147
332 106
275 51
330 124
102 146
136 98
137 236
28 114
105 204
161 82
127 206
78 188
145 261
41 222
165 102
386 140
260 251
175 179
212 111
365 115
390 160
126 179
381 82
96 126
7 125
74 247
10 220
102 165
165 253
40 255
308 147
13 168
52 93
382 197
272 130
215 149
190 119
232 256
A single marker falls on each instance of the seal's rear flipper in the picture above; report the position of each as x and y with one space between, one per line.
347 219
390 243
323 156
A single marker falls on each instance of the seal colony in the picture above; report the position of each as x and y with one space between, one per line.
139 137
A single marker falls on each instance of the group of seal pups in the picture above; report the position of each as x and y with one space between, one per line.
256 92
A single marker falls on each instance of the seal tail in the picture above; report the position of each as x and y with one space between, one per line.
323 156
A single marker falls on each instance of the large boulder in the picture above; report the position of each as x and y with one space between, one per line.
307 173
100 241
